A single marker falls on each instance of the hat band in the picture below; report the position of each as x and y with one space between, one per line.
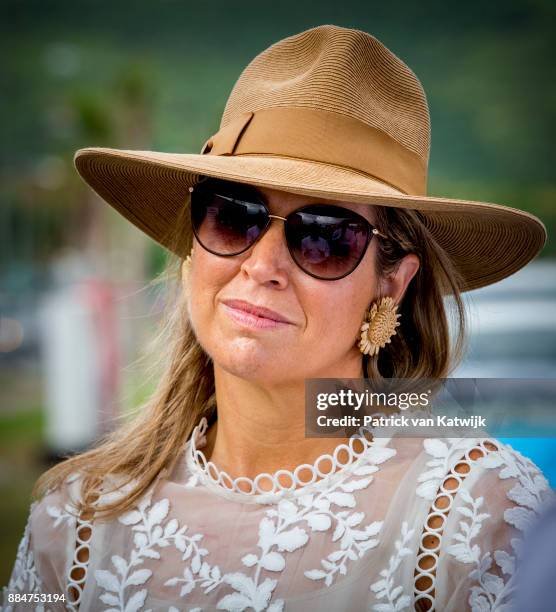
322 136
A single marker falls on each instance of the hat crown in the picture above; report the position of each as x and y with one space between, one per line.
340 70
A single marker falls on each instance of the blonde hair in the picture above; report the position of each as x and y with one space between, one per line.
147 447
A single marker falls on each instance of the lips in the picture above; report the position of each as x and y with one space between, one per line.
259 311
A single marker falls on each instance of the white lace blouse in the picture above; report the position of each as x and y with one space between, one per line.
400 524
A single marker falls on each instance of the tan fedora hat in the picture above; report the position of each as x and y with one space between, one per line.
332 113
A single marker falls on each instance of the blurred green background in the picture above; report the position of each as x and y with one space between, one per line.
156 75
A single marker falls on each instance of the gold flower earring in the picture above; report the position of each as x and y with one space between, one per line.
379 326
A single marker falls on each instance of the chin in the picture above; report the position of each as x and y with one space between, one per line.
247 359
245 354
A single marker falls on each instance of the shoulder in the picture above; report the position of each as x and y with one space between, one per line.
510 484
468 474
41 556
482 497
59 506
451 461
492 496
57 534
54 518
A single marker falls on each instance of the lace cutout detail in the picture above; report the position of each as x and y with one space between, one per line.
211 475
492 591
285 528
77 574
447 475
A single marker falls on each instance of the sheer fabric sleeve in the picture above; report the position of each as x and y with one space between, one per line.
498 497
44 556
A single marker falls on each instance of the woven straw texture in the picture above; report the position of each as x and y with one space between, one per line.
330 72
350 73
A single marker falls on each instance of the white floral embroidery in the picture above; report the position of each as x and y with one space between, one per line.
464 551
530 493
384 588
290 528
249 594
279 532
149 535
67 514
174 609
491 591
209 475
354 542
25 578
192 481
444 453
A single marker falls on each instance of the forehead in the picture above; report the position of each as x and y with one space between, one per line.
283 202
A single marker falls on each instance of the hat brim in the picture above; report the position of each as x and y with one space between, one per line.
487 242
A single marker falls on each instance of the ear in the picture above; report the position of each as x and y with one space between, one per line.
396 284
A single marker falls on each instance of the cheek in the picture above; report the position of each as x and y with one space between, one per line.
358 292
208 276
336 315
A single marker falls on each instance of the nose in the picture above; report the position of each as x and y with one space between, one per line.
268 260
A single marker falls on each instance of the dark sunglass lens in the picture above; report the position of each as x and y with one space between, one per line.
223 224
327 241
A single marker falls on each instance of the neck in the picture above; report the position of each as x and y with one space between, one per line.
261 428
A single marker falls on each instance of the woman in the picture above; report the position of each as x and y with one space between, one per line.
310 226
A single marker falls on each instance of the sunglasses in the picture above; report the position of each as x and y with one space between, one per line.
326 241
